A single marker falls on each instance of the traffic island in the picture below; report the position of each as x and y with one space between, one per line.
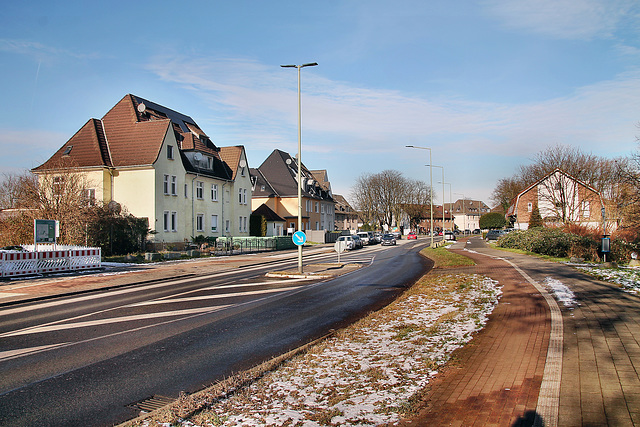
317 271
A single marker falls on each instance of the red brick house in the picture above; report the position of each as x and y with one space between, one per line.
561 199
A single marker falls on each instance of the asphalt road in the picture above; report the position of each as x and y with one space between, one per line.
81 360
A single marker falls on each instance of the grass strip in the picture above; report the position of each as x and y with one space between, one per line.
444 258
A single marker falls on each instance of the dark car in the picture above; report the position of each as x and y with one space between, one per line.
494 234
388 239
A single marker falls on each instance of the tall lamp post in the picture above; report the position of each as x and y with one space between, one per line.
310 64
453 227
441 167
430 189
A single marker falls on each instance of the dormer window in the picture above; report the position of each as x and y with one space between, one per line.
209 162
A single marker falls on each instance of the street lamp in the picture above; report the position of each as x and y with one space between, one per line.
310 64
453 227
441 167
430 188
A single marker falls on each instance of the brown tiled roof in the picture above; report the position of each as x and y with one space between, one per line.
85 149
231 156
133 142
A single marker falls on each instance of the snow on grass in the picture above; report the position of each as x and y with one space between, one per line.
562 293
627 278
367 374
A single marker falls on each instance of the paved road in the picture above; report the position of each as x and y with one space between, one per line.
539 362
80 360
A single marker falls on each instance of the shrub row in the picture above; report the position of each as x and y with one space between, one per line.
552 242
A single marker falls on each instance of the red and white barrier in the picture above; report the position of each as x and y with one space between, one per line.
21 263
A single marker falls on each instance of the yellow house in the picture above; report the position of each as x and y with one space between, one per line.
275 185
158 164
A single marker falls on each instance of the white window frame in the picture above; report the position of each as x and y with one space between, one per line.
174 185
199 190
530 207
239 196
165 184
244 196
166 220
214 192
200 222
174 221
214 223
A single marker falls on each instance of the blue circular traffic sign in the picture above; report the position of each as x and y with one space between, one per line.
299 238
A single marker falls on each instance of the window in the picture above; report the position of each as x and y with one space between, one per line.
240 224
586 208
214 192
174 185
199 222
174 221
200 190
165 221
209 162
317 207
244 196
245 224
170 152
240 195
214 223
241 171
262 188
90 196
227 225
165 184
186 191
529 207
308 203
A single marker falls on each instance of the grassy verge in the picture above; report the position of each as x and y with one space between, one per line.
444 258
369 373
520 251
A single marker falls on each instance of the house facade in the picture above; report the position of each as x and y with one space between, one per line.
158 164
346 218
275 185
561 199
467 213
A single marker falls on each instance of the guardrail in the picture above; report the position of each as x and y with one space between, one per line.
24 263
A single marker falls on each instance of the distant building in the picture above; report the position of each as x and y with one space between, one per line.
561 199
160 165
276 225
275 185
467 213
345 216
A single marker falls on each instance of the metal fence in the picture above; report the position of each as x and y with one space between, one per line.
243 245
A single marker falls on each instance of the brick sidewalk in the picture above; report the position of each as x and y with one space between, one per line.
495 379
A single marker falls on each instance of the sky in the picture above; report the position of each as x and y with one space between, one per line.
485 84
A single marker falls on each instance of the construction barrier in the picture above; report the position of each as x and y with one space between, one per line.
23 263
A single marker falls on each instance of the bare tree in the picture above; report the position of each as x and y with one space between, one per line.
383 198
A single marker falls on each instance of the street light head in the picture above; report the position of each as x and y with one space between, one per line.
310 64
288 66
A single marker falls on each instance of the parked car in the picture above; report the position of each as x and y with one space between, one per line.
412 236
348 242
476 231
357 241
494 234
397 235
378 237
388 239
364 236
448 235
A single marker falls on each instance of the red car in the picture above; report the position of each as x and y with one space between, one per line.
411 235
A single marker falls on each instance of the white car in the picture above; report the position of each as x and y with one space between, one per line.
364 236
349 243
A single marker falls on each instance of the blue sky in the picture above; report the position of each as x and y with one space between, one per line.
485 84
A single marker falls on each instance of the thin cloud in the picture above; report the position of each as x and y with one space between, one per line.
39 51
259 107
563 19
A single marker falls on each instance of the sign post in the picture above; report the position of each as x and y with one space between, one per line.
299 239
339 247
45 231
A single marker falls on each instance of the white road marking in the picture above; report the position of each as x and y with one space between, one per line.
10 354
99 322
210 297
